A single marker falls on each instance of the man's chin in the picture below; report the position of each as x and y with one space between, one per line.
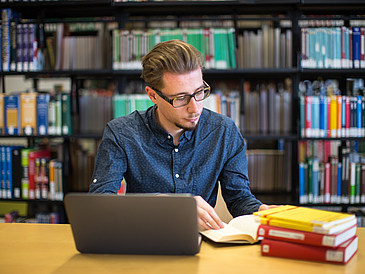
188 128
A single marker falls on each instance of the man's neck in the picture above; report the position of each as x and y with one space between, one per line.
174 132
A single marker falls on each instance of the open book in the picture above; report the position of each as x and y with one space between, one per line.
242 229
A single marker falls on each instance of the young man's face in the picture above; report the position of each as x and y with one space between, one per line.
173 119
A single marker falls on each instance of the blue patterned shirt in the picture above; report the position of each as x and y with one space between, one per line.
136 147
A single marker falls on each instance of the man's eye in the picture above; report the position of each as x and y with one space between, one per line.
180 99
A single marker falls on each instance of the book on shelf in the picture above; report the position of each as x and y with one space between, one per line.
16 170
283 249
10 176
2 121
242 229
42 113
32 156
332 47
28 113
12 114
7 16
307 219
304 237
3 193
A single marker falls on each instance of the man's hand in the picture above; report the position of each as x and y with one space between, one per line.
266 207
207 217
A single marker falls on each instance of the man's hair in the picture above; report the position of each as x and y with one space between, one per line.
174 56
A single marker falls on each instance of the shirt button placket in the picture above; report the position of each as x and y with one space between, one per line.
176 169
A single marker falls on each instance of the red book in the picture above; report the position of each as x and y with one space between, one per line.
339 255
308 116
304 237
31 168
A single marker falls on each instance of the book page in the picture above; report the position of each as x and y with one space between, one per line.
246 223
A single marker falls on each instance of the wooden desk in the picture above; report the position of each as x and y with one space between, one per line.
42 248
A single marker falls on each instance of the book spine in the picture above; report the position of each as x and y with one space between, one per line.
328 116
315 117
5 46
352 182
3 171
315 180
362 184
302 237
42 113
9 174
327 184
357 183
290 250
19 48
25 47
322 116
333 111
16 172
339 116
339 183
362 47
348 116
359 116
66 114
308 116
2 122
343 118
28 112
356 47
302 192
12 114
13 44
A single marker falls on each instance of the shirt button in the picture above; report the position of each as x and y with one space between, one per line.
176 150
168 137
95 180
177 175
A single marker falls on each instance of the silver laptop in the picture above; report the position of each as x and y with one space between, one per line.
133 224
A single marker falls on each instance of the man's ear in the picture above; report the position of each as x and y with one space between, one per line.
152 94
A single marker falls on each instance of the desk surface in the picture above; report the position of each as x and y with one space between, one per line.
42 248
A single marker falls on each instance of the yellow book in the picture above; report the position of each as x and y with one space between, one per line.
333 113
306 219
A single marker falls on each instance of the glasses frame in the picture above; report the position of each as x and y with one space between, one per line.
171 101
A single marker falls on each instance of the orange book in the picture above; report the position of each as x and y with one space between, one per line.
333 113
339 115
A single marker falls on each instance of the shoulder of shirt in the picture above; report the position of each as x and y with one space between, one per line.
135 119
217 119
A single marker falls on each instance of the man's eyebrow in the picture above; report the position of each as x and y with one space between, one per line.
185 93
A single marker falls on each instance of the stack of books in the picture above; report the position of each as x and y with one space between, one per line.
308 234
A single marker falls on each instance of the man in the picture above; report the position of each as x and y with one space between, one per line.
177 146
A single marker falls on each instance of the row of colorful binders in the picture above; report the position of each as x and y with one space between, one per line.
308 234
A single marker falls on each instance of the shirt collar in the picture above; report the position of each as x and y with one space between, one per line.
161 134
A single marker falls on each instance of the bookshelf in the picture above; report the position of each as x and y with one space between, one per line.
242 16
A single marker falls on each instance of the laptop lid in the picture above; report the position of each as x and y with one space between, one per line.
133 224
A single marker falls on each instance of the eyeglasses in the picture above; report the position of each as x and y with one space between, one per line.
180 101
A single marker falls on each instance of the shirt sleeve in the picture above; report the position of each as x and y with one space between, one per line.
234 178
110 165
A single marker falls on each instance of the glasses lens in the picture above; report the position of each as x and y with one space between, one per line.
181 101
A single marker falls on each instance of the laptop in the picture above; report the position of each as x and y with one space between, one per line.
133 223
